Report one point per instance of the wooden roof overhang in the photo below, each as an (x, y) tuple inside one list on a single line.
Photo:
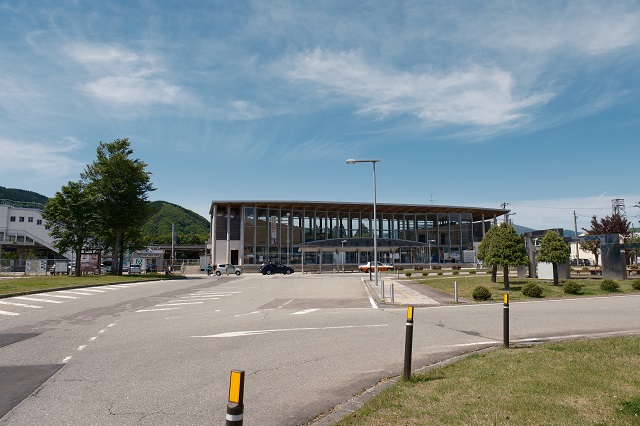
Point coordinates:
[(381, 208)]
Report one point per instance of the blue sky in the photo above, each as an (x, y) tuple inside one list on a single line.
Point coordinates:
[(535, 104)]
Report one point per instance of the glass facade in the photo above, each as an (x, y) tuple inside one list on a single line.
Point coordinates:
[(257, 232)]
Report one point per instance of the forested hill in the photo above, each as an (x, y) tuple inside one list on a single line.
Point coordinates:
[(22, 195), (191, 228)]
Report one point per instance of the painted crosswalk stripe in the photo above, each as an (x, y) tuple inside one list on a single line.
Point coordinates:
[(8, 313), (75, 292), (33, 299), (62, 296), (94, 290), (181, 303), (24, 305)]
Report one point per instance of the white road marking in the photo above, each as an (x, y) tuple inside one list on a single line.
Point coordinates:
[(181, 303), (24, 305), (81, 347), (250, 313), (193, 300), (256, 332), (75, 292), (285, 303), (64, 361), (111, 325), (91, 339), (8, 313), (202, 297), (95, 290), (62, 296), (33, 299), (153, 310), (306, 311), (101, 331)]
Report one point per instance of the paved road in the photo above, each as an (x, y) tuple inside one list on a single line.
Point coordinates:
[(160, 353)]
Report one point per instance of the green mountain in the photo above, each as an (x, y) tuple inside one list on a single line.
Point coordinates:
[(190, 227), (21, 195)]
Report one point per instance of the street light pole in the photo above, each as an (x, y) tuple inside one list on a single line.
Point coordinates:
[(375, 219), (288, 226)]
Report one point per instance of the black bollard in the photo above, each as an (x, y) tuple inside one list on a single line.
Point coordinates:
[(505, 320), (408, 344)]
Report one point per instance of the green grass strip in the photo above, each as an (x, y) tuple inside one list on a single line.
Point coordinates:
[(591, 382)]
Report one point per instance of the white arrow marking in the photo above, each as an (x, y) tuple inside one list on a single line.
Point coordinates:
[(256, 332), (306, 311)]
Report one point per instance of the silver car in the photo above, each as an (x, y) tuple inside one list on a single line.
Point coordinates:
[(227, 268)]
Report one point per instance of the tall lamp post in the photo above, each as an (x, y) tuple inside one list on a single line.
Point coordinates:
[(375, 220), (288, 226)]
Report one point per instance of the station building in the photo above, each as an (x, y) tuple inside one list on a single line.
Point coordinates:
[(314, 232)]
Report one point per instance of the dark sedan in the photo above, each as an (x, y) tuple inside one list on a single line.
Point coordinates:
[(276, 268)]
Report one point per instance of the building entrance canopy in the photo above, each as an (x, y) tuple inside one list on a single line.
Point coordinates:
[(357, 244)]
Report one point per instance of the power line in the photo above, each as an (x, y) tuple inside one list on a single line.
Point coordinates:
[(560, 208)]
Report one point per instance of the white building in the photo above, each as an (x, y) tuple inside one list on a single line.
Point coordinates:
[(22, 227)]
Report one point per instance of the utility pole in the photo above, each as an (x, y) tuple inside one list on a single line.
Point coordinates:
[(575, 229), (506, 216)]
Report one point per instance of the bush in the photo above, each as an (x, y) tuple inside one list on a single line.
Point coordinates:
[(636, 284), (440, 272), (472, 272), (572, 287), (488, 271), (424, 274), (407, 274), (609, 285), (532, 290), (633, 267), (481, 293), (456, 272)]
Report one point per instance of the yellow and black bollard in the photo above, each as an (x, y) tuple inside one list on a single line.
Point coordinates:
[(235, 405), (505, 321), (408, 344)]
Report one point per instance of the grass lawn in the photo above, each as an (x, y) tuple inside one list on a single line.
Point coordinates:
[(47, 282), (466, 284), (589, 382)]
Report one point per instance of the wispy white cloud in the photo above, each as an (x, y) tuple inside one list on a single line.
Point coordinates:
[(122, 76), (475, 95), (46, 160)]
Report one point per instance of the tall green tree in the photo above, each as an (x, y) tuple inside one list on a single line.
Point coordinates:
[(507, 248), (71, 218), (120, 185), (483, 250), (614, 224), (554, 250)]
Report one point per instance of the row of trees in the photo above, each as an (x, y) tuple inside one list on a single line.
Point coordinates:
[(502, 246), (105, 209)]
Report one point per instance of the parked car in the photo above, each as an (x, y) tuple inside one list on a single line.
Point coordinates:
[(382, 267), (582, 262), (227, 268), (275, 268)]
